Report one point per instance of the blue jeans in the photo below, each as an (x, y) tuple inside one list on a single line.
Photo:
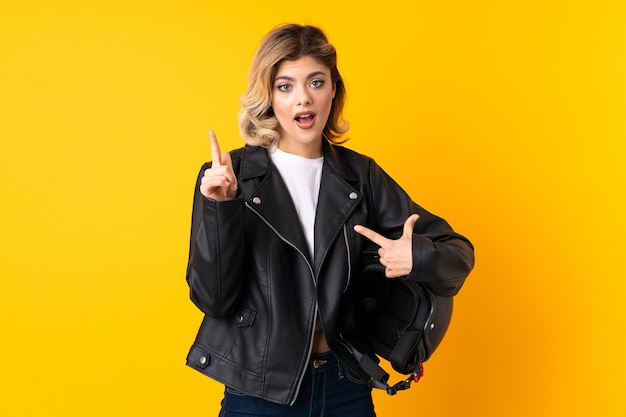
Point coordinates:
[(328, 389)]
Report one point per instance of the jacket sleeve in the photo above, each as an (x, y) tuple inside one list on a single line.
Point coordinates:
[(215, 270), (442, 258)]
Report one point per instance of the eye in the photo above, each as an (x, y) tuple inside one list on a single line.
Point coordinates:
[(283, 87), (317, 83)]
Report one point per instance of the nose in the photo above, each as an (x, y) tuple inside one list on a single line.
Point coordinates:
[(304, 98)]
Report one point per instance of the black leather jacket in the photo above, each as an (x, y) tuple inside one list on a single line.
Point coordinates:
[(251, 273)]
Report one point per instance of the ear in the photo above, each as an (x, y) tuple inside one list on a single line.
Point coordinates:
[(334, 89)]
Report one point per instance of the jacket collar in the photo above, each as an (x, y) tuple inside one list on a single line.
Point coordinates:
[(255, 162)]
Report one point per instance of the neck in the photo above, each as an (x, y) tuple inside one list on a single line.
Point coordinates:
[(310, 151)]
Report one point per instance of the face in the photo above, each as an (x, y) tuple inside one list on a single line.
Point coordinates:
[(302, 96)]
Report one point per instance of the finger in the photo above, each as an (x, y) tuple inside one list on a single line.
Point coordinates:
[(215, 181), (215, 149), (227, 161), (380, 240), (230, 174), (381, 257), (409, 224)]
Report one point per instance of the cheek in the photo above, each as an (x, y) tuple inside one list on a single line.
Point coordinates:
[(279, 105), (282, 115), (275, 107), (329, 103), (279, 112)]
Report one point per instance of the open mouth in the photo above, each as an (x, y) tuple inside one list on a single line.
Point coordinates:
[(305, 120)]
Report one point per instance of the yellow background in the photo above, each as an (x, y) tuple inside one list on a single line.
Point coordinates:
[(506, 118)]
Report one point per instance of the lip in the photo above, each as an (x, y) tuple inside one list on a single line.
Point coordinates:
[(305, 119)]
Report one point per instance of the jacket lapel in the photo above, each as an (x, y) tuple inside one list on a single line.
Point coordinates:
[(337, 199), (270, 198)]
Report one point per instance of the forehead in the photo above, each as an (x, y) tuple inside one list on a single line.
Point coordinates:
[(302, 66)]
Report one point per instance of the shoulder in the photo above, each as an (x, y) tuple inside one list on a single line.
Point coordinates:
[(355, 161), (349, 154), (244, 151), (238, 155), (250, 161), (247, 151)]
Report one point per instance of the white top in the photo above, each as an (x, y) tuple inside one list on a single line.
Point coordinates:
[(302, 176)]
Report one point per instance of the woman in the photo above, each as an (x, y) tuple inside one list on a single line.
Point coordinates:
[(277, 230)]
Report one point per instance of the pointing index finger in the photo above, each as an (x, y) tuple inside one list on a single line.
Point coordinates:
[(216, 155), (380, 240)]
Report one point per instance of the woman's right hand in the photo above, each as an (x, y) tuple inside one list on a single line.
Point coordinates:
[(219, 182)]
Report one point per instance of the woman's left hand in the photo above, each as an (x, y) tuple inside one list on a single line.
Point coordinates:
[(395, 255)]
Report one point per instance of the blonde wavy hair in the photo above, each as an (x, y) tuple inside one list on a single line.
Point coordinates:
[(257, 123)]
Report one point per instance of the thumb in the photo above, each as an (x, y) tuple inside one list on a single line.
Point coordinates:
[(409, 224)]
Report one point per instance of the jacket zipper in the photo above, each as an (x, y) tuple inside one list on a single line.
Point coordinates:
[(284, 239), (347, 242)]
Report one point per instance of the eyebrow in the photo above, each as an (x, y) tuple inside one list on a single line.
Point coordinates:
[(311, 75)]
